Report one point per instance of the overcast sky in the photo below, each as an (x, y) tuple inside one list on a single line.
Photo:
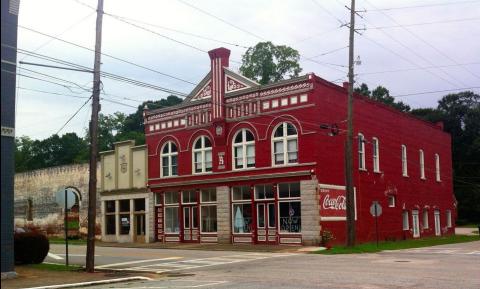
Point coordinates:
[(433, 45)]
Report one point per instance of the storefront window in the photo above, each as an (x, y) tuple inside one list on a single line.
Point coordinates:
[(124, 224), (289, 190), (125, 206), (208, 195), (171, 198), (242, 218), (110, 228), (171, 220), (241, 193), (264, 192), (290, 217), (139, 205), (209, 219), (189, 197)]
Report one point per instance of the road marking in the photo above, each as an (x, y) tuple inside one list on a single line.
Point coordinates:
[(53, 256), (136, 262), (91, 283)]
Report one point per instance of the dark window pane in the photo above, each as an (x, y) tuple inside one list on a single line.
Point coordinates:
[(209, 219), (238, 137), (124, 205), (124, 224), (139, 204), (279, 131), (110, 206), (173, 148), (207, 142), (291, 129), (110, 224), (271, 216), (294, 190), (290, 217), (198, 143), (249, 135), (165, 149), (283, 190)]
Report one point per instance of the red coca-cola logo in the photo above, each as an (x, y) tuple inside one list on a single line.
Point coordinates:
[(338, 203)]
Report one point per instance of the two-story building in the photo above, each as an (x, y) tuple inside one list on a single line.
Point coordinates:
[(239, 162)]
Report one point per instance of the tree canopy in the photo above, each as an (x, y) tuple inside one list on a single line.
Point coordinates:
[(267, 63)]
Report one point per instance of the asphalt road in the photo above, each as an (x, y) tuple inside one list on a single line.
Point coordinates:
[(447, 266)]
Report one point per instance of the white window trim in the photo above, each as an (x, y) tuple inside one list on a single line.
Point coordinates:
[(425, 219), (285, 140), (405, 226), (416, 225), (266, 199), (287, 200), (201, 226), (361, 153), (422, 164), (376, 157), (203, 151), (244, 144), (232, 218), (437, 168), (169, 154), (404, 161)]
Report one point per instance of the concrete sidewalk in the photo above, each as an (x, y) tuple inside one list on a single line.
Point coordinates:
[(466, 231)]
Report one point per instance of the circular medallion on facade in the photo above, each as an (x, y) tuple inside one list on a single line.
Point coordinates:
[(219, 130)]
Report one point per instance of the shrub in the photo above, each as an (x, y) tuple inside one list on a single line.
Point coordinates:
[(327, 236), (30, 247)]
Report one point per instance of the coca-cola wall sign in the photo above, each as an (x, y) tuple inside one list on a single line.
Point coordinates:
[(333, 203)]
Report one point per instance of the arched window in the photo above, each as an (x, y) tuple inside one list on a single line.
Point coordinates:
[(243, 149), (361, 152), (376, 155), (422, 164), (169, 157), (202, 155), (437, 168), (285, 144)]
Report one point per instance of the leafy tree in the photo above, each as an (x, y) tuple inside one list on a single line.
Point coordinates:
[(267, 63), (382, 94)]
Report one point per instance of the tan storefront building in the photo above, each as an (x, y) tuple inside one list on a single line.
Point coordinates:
[(126, 203)]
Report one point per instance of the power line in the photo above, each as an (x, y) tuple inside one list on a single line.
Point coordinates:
[(36, 78), (420, 68), (426, 23), (435, 91), (76, 112), (424, 5), (426, 43), (103, 53), (329, 52)]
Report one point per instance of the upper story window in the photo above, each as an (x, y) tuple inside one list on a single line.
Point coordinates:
[(243, 149), (437, 167), (285, 144), (422, 164), (202, 155), (376, 155), (404, 161), (361, 152), (169, 157)]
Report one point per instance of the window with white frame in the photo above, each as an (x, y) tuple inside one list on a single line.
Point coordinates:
[(243, 150), (289, 208), (208, 210), (437, 167), (422, 164), (285, 144), (404, 161), (169, 157), (242, 213), (425, 219), (264, 192), (449, 218), (171, 223), (361, 152), (376, 155), (202, 155), (405, 220), (391, 201)]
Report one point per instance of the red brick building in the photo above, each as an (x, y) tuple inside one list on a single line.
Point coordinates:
[(247, 163)]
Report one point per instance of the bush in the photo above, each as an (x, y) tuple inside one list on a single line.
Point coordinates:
[(30, 247)]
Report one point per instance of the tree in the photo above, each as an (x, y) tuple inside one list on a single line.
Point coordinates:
[(382, 94), (267, 63)]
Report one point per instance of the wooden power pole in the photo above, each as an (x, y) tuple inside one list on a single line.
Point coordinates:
[(349, 142), (92, 185)]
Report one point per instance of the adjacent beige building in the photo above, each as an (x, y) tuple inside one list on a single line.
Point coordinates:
[(126, 203)]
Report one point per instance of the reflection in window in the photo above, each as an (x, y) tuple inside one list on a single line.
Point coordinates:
[(241, 193), (209, 219), (289, 190), (264, 192), (242, 218)]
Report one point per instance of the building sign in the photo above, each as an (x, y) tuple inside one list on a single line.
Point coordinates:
[(123, 164), (333, 203), (221, 160)]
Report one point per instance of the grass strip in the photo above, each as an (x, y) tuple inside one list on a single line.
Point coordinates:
[(397, 245)]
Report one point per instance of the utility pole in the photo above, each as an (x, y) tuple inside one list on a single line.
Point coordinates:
[(349, 141), (92, 185)]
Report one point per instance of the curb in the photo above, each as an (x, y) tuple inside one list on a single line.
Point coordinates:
[(91, 283)]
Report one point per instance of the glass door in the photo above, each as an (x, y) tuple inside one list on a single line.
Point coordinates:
[(266, 223), (190, 223)]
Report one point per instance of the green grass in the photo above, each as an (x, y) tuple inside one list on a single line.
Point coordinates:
[(58, 240), (397, 245), (55, 267)]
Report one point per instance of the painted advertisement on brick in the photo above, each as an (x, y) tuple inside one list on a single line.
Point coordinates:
[(333, 203)]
